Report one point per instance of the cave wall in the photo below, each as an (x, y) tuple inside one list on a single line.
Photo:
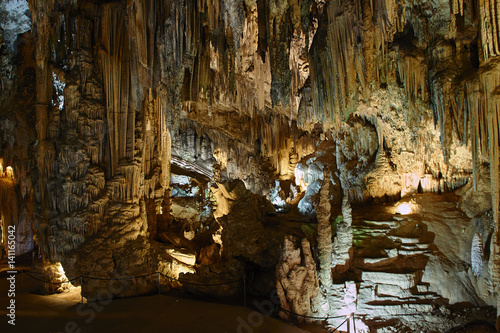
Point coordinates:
[(103, 103)]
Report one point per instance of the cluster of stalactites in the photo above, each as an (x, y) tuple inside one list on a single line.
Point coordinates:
[(267, 147), (486, 123), (355, 56), (475, 116), (282, 143), (489, 12), (108, 142)]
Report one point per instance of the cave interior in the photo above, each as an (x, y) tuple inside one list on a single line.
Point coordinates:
[(340, 157)]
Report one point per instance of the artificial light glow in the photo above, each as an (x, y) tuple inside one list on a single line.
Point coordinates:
[(185, 270), (303, 186), (275, 198), (60, 275), (404, 209), (9, 172)]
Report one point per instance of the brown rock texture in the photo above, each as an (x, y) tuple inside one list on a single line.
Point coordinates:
[(211, 140)]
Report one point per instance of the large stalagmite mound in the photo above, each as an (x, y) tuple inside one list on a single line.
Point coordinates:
[(216, 141)]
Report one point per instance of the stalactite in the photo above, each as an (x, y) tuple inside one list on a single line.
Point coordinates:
[(116, 81), (472, 107), (482, 106), (494, 23), (494, 143), (458, 7), (355, 58), (440, 116), (412, 72), (299, 66), (489, 20), (41, 27)]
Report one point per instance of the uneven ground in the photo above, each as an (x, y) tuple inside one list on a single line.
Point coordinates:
[(64, 313), (432, 242)]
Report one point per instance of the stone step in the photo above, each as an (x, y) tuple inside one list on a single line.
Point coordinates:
[(404, 240), (384, 294), (381, 309), (403, 280), (423, 291), (391, 298), (418, 246), (409, 247), (429, 296), (391, 253), (389, 290), (413, 252), (390, 224), (410, 298), (423, 288), (372, 261), (415, 247), (371, 228), (369, 232)]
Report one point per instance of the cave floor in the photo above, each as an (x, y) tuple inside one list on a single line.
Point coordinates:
[(159, 313)]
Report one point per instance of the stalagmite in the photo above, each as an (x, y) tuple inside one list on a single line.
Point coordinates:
[(325, 245), (343, 238), (477, 254), (297, 284)]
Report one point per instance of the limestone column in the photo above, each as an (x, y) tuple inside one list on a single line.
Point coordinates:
[(45, 152), (343, 239), (40, 11), (325, 246)]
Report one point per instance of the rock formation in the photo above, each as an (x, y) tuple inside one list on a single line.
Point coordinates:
[(213, 140)]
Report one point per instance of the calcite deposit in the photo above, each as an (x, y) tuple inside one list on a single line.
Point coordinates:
[(231, 146)]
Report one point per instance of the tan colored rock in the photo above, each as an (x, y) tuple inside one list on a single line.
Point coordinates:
[(297, 285), (254, 91), (325, 245), (343, 239), (476, 201)]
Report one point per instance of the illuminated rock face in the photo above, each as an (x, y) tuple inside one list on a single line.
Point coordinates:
[(144, 132)]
